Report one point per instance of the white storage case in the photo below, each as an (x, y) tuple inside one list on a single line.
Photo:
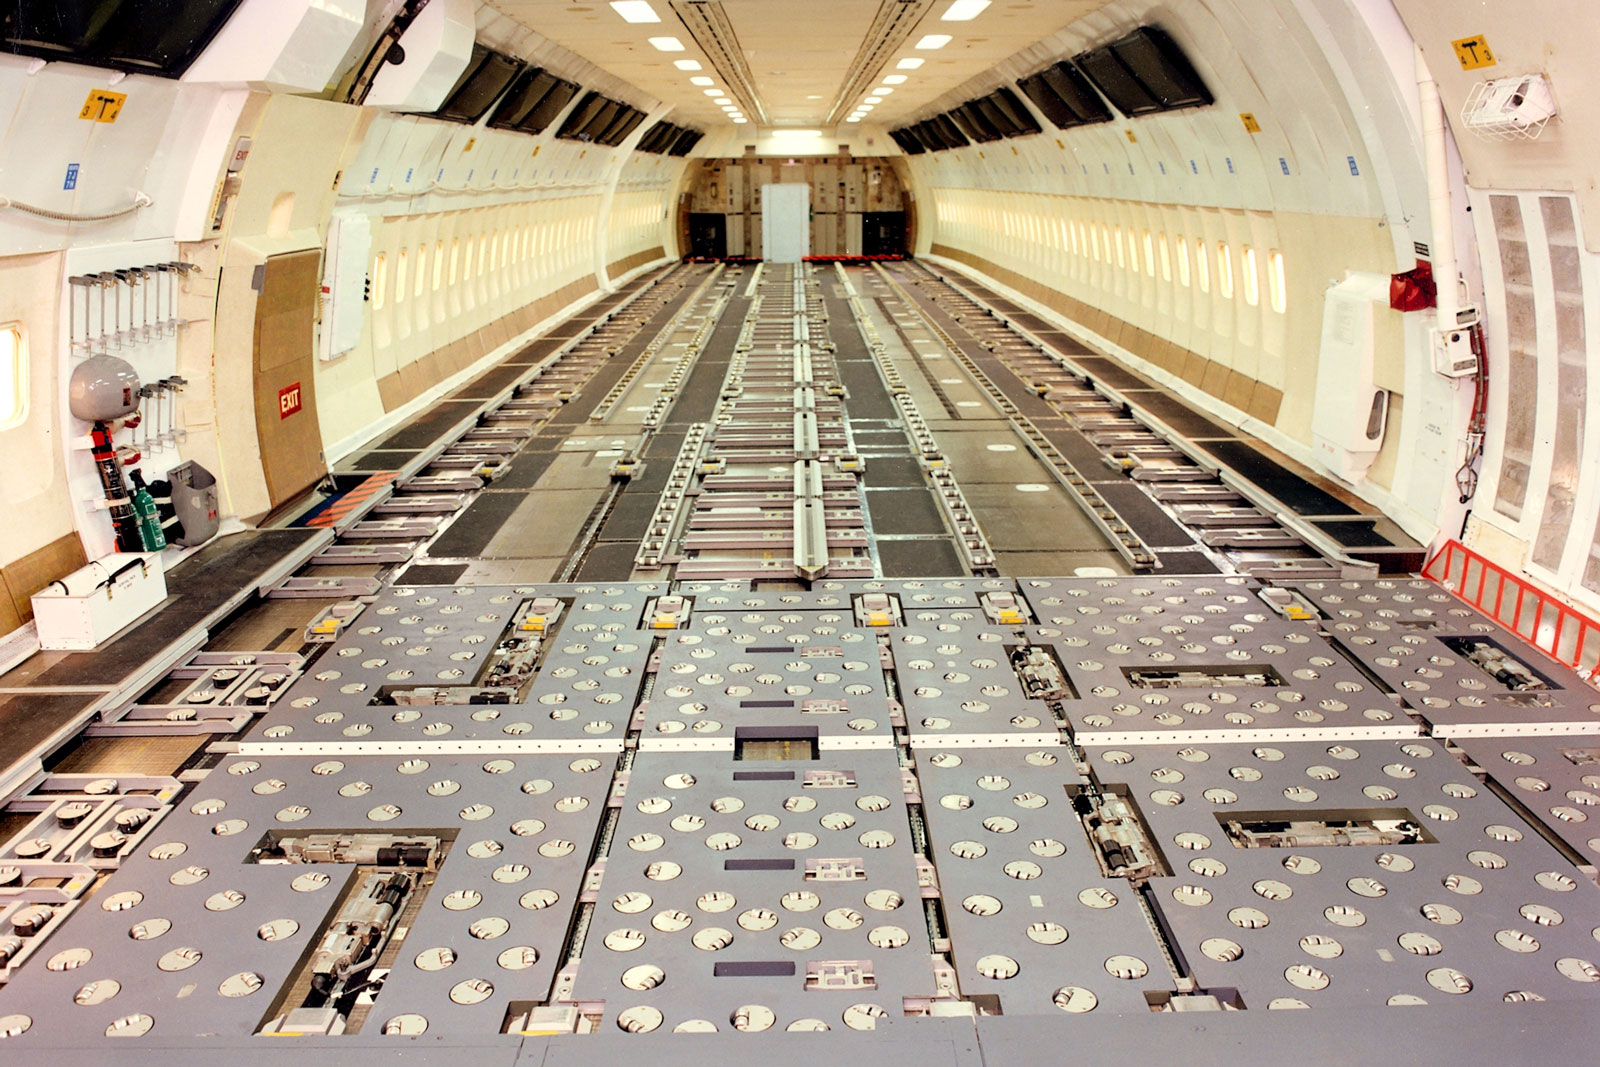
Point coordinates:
[(92, 603)]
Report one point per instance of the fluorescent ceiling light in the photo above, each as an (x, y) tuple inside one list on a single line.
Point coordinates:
[(640, 11), (960, 11), (796, 133), (721, 101), (853, 118), (910, 63), (740, 122), (702, 80), (927, 44), (672, 44), (874, 100), (713, 92), (894, 79), (864, 107), (882, 91), (686, 64)]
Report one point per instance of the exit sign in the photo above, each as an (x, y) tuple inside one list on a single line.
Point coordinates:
[(288, 400)]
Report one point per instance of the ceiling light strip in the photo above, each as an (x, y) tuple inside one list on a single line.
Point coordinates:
[(890, 28), (708, 23)]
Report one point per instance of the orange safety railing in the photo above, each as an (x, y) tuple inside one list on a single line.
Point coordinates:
[(1555, 628)]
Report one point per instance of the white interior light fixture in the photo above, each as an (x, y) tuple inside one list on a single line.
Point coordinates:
[(787, 132), (740, 121), (713, 92), (873, 100), (639, 11), (910, 63), (686, 64), (927, 44), (960, 11), (853, 118), (864, 107), (894, 79), (672, 44), (702, 80), (721, 101), (882, 90)]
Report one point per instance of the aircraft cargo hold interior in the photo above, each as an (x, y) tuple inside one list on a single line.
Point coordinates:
[(925, 530)]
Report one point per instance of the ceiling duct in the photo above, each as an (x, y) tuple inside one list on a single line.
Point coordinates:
[(890, 27), (708, 23)]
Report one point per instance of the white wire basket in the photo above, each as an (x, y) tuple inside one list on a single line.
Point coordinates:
[(1509, 109)]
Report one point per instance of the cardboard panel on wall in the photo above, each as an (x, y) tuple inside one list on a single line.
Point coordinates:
[(285, 392)]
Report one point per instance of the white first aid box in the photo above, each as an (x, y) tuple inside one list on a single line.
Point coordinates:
[(92, 603)]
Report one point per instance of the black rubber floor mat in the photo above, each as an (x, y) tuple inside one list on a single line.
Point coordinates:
[(904, 511), (490, 383), (1180, 416), (609, 561), (433, 573), (1179, 562), (934, 557), (527, 467), (898, 472), (1144, 515), (630, 518), (1113, 374), (1355, 534), (474, 528), (1296, 493), (428, 426)]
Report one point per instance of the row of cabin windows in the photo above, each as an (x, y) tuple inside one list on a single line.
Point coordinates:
[(485, 252), (1114, 245)]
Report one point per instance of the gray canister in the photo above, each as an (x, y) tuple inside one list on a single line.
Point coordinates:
[(194, 501)]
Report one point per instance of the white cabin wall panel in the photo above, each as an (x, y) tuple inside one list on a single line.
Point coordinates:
[(287, 45)]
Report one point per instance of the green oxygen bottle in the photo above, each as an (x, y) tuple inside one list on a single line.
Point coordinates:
[(144, 506)]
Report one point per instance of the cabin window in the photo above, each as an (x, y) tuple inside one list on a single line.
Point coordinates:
[(1251, 280), (1183, 262), (1149, 254), (1166, 257), (13, 377), (400, 278), (438, 266), (1202, 267), (422, 271), (1276, 283), (1116, 240), (1225, 270), (455, 259), (380, 281)]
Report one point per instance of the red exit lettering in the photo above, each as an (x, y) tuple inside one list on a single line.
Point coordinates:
[(288, 400)]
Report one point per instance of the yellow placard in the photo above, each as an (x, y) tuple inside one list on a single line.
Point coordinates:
[(102, 105), (1473, 52), (1250, 122), (1131, 138)]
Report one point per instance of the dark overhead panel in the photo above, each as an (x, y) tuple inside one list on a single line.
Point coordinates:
[(971, 120), (685, 142), (947, 129), (600, 120), (486, 76), (626, 121), (665, 136), (533, 102), (132, 35), (1007, 114), (1068, 85), (908, 142), (1126, 92), (1162, 68), (1144, 72)]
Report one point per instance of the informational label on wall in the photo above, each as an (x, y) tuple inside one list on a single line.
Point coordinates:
[(102, 105), (288, 400), (1473, 52)]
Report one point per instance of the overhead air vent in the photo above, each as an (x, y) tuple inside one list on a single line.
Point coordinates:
[(121, 34), (1066, 97), (480, 85), (972, 121), (533, 102), (907, 141)]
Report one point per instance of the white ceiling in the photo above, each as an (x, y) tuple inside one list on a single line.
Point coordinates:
[(798, 52)]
